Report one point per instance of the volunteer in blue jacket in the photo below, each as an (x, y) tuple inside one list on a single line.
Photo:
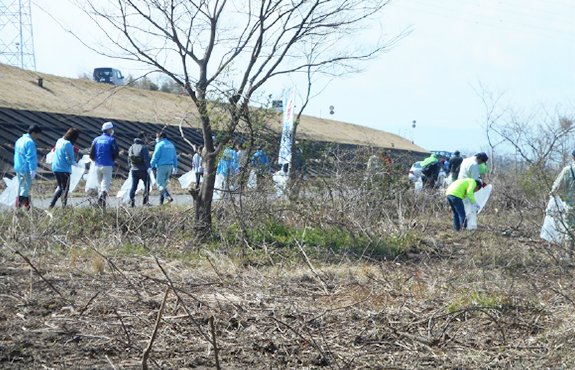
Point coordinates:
[(26, 164), (165, 160), (262, 166), (62, 165), (104, 152)]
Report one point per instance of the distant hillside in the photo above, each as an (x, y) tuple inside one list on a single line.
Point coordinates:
[(19, 90)]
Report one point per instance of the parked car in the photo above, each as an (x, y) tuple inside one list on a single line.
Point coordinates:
[(109, 76)]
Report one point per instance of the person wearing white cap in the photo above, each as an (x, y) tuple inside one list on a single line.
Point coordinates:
[(104, 152)]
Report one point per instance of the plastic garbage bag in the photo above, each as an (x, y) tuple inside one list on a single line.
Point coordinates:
[(280, 179), (50, 157), (418, 186), (554, 225), (252, 180), (218, 186), (440, 180), (124, 192), (187, 179), (8, 196), (481, 197), (78, 172), (152, 179), (92, 179)]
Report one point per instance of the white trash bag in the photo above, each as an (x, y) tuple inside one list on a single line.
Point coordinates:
[(8, 196), (418, 186), (218, 186), (280, 181), (50, 157), (78, 172), (152, 178), (481, 197), (187, 179), (91, 179), (124, 192), (553, 229), (252, 180)]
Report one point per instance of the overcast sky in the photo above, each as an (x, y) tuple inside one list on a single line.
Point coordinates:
[(522, 48)]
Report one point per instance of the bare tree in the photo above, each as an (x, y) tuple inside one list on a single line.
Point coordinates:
[(222, 52), (538, 137)]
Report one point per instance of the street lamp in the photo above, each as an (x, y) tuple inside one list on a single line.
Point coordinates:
[(413, 130)]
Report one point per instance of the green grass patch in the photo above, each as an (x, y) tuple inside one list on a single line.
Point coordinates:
[(318, 240), (476, 299)]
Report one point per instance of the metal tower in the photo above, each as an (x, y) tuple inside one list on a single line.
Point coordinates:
[(16, 39)]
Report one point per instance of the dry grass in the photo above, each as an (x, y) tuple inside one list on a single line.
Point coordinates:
[(19, 90), (384, 284)]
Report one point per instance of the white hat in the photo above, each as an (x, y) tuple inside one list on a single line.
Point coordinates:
[(107, 126)]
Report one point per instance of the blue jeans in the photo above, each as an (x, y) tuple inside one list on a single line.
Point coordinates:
[(459, 219), (138, 175)]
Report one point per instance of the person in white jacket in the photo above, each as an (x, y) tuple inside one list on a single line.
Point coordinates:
[(470, 166)]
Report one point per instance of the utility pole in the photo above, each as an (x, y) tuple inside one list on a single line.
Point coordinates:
[(16, 36)]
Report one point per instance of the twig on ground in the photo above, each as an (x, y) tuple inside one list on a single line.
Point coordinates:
[(214, 343), (155, 332), (87, 304)]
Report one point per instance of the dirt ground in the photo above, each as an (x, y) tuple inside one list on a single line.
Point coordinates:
[(449, 306)]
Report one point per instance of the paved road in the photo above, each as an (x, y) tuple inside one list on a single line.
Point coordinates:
[(179, 199)]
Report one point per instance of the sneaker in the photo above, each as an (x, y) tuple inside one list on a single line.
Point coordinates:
[(170, 200)]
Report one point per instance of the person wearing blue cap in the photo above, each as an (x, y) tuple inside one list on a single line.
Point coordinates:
[(104, 152), (564, 186)]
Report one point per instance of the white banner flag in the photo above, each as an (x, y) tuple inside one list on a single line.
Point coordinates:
[(284, 155)]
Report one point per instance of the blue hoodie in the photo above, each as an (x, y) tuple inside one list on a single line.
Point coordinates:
[(164, 153), (63, 156), (25, 155)]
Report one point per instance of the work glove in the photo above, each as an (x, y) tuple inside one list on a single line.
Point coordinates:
[(33, 174), (476, 207), (174, 171)]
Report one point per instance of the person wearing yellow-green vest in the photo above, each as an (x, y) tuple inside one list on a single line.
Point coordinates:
[(455, 193), (430, 169)]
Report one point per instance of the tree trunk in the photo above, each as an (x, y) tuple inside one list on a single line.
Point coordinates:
[(203, 200)]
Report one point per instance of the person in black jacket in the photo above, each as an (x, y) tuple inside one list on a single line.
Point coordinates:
[(454, 165), (139, 158)]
